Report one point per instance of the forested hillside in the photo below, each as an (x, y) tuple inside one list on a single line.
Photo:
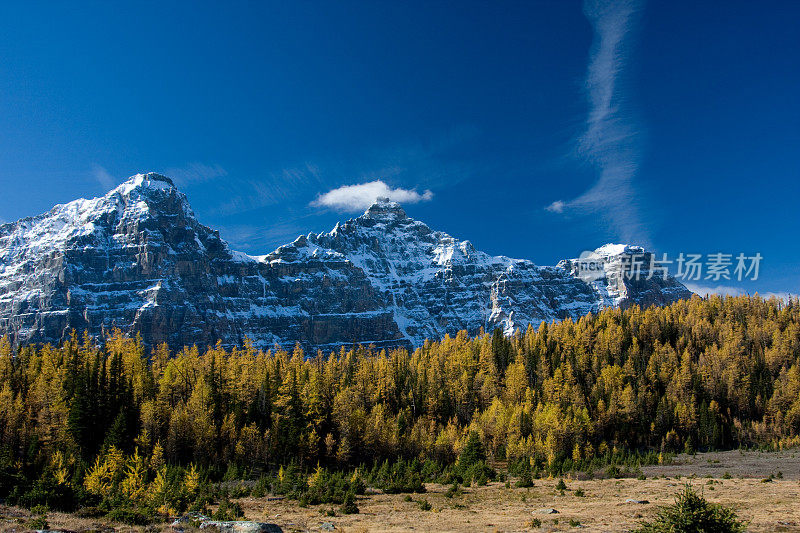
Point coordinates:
[(697, 374)]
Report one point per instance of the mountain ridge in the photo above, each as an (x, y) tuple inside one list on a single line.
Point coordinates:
[(137, 258)]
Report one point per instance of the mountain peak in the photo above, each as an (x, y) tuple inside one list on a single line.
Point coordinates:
[(149, 181), (385, 209), (138, 258), (612, 249)]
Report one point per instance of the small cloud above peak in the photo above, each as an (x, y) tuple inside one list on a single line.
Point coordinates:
[(360, 197)]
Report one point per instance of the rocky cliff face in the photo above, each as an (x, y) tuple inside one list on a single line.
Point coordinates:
[(138, 259)]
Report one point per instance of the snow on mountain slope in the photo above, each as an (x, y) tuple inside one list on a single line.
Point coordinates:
[(435, 284), (622, 274), (138, 259)]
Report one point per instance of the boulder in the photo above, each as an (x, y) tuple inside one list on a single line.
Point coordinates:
[(241, 526)]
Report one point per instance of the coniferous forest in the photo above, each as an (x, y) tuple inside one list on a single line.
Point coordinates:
[(121, 429)]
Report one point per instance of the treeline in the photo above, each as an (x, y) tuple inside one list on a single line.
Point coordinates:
[(698, 374)]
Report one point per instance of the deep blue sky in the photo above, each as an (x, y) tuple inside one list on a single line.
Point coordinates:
[(258, 108)]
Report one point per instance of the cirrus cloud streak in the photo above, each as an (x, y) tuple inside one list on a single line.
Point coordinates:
[(609, 142)]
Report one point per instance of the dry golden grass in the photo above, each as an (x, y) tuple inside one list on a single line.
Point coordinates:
[(771, 506)]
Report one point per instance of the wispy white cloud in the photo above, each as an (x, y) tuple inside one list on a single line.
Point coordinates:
[(609, 141), (103, 177), (273, 188), (359, 197), (195, 173), (556, 207)]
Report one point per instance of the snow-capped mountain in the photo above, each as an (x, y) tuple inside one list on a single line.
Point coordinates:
[(138, 259)]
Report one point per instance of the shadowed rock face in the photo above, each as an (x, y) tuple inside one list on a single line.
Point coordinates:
[(138, 259)]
